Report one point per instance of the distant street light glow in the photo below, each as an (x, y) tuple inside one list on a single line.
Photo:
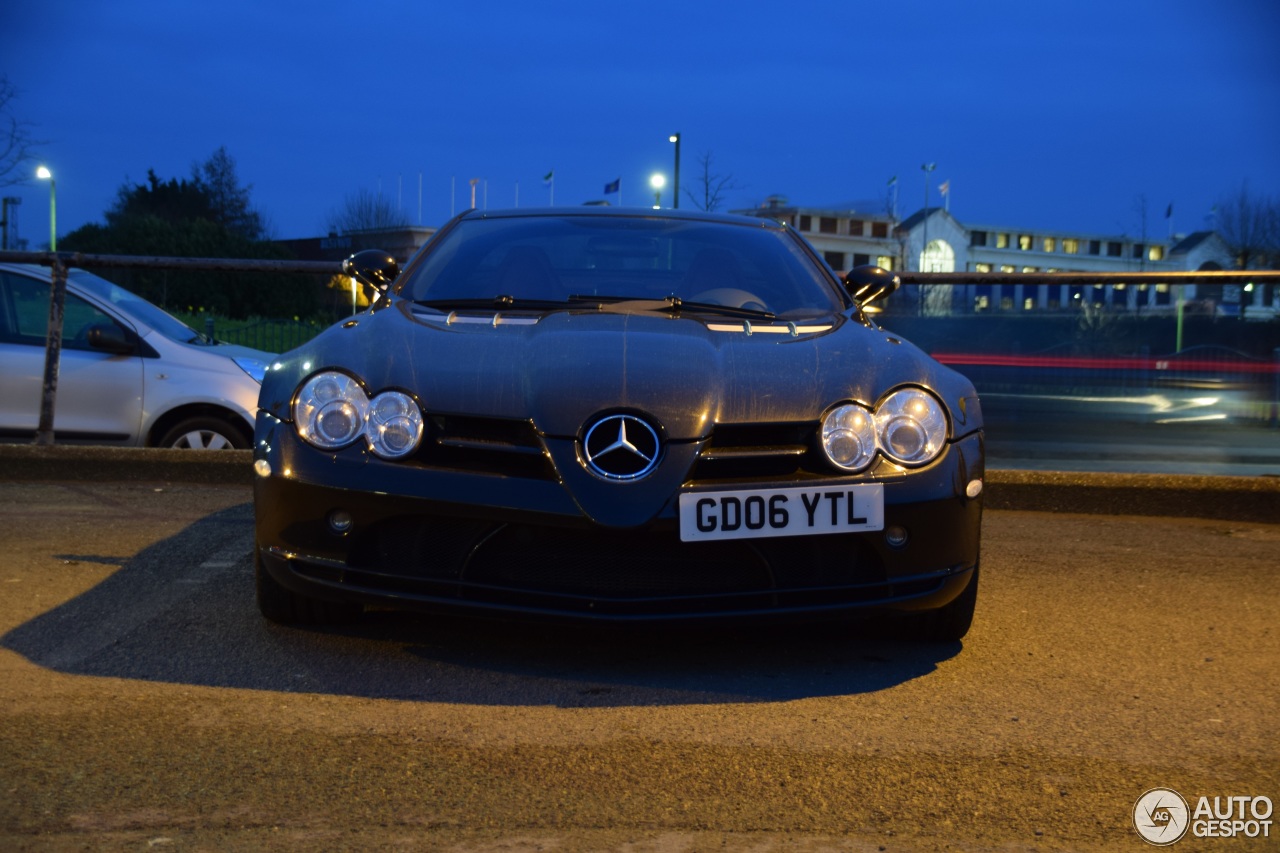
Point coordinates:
[(44, 174), (658, 181)]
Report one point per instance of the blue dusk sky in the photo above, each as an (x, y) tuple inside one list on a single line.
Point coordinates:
[(1039, 114)]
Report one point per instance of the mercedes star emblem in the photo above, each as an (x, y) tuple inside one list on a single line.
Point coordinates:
[(621, 447)]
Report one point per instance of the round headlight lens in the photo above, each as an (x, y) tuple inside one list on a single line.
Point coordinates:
[(395, 425), (329, 410), (849, 437), (911, 426)]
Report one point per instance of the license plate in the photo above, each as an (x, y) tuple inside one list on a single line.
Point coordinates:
[(797, 511)]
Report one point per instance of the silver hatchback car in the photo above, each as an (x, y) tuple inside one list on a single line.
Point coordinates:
[(130, 375)]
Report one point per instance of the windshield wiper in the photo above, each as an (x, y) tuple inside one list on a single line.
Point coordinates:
[(497, 303), (673, 305)]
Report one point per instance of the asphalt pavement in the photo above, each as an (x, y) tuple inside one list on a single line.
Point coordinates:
[(144, 704)]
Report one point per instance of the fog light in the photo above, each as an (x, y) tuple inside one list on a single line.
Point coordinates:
[(974, 488), (262, 468), (896, 536), (340, 522)]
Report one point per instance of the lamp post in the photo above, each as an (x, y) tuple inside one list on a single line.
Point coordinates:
[(658, 181), (44, 174), (675, 183), (924, 251)]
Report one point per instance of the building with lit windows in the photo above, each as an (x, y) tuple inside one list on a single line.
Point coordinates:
[(933, 240)]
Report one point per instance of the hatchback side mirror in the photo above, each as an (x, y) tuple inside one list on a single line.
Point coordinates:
[(372, 267), (109, 337), (866, 284)]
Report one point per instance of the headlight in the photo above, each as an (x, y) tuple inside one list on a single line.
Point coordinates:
[(252, 366), (330, 410), (394, 424), (909, 427), (849, 437)]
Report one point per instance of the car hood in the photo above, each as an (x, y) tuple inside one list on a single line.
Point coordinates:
[(559, 368)]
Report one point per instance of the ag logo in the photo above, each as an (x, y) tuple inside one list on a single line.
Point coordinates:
[(1161, 816)]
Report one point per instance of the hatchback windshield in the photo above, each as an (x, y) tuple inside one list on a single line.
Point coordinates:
[(548, 260), (135, 306)]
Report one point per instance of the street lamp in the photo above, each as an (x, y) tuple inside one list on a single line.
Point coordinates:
[(658, 181), (44, 174), (675, 184)]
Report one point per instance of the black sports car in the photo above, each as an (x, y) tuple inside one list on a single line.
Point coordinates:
[(617, 415)]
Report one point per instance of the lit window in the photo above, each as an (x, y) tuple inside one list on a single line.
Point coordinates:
[(1028, 304), (982, 267), (1070, 246), (885, 262), (1024, 242), (1155, 253), (1162, 288), (1002, 241), (1007, 268), (1031, 269), (1050, 244), (981, 303)]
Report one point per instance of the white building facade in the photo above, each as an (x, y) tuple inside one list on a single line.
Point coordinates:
[(933, 240)]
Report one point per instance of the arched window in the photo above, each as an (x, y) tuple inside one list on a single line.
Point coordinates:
[(938, 256)]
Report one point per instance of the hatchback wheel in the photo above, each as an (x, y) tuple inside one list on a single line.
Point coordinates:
[(205, 434)]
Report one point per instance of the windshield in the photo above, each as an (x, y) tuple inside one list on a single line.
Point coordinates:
[(139, 308), (549, 260)]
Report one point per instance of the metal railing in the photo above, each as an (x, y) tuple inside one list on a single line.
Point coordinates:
[(60, 262)]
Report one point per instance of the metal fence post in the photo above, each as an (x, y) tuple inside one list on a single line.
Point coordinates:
[(52, 350), (1275, 393)]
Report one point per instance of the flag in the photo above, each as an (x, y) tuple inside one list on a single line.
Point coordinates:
[(893, 180), (944, 187), (613, 187), (549, 177), (1168, 211)]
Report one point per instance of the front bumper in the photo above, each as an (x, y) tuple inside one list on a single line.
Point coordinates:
[(466, 541)]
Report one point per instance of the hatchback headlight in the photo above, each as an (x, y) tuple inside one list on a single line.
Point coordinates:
[(909, 427), (332, 410)]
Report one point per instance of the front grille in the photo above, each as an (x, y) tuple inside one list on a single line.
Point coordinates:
[(611, 572), (760, 452), (484, 445)]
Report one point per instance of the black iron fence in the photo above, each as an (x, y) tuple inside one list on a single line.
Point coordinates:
[(267, 335), (1249, 382)]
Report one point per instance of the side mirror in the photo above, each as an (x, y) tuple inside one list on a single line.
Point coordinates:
[(866, 284), (109, 337), (372, 267)]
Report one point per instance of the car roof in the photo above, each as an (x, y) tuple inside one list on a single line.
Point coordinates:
[(603, 212)]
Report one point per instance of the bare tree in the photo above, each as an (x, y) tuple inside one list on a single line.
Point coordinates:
[(708, 187), (1250, 226), (365, 211), (17, 148)]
